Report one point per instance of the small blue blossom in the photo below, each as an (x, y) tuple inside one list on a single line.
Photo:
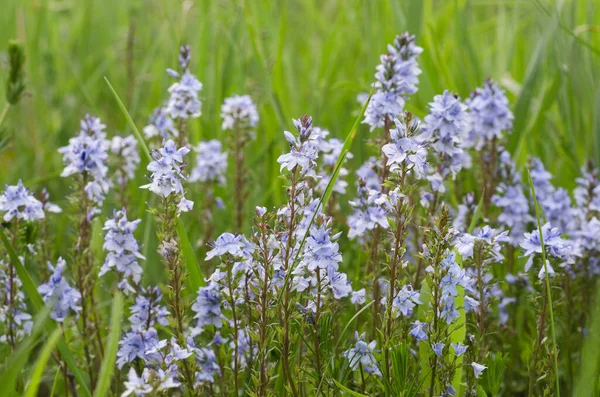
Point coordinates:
[(459, 349), (490, 114), (363, 354), (129, 158), (58, 294), (138, 386), (478, 369), (405, 151), (405, 301), (17, 202), (239, 110), (438, 349), (208, 307), (235, 245), (419, 330), (123, 249), (211, 163)]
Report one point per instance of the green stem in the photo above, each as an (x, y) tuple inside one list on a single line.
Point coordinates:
[(550, 309), (4, 112)]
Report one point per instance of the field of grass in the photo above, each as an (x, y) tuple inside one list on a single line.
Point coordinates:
[(292, 57)]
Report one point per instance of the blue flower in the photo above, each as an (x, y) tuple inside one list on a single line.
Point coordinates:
[(478, 369), (160, 124), (208, 307), (363, 354), (405, 301), (490, 114), (235, 245), (148, 310), (166, 177), (58, 294), (239, 110), (459, 349), (129, 157), (211, 163), (419, 330), (123, 249), (17, 202), (405, 151), (438, 349), (137, 385)]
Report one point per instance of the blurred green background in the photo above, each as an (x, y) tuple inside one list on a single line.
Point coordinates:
[(295, 57)]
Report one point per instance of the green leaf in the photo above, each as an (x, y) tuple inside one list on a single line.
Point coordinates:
[(346, 390), (40, 365), (17, 361), (195, 279), (108, 363), (139, 136), (38, 305)]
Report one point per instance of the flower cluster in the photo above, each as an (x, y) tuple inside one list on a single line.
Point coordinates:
[(87, 154), (123, 251), (396, 78), (489, 113), (58, 294), (240, 111), (13, 310), (17, 202), (211, 163), (125, 148), (167, 175)]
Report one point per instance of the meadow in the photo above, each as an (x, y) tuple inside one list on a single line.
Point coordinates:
[(162, 235)]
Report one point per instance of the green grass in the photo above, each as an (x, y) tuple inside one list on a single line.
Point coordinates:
[(292, 57)]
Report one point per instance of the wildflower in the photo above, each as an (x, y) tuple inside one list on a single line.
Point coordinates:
[(13, 310), (396, 78), (208, 306), (438, 348), (137, 385), (123, 249), (59, 294), (211, 163), (148, 310), (363, 354), (239, 110), (444, 130), (555, 245), (478, 369), (87, 153), (321, 249), (404, 151), (459, 349), (419, 330), (486, 235), (235, 245), (160, 124), (301, 153), (406, 300), (358, 297), (208, 366), (166, 175), (184, 101), (490, 114), (17, 202), (126, 149)]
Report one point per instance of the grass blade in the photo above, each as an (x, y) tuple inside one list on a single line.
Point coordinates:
[(108, 363), (139, 136), (551, 310), (40, 365)]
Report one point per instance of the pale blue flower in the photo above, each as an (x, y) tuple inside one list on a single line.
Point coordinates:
[(239, 110), (17, 202)]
